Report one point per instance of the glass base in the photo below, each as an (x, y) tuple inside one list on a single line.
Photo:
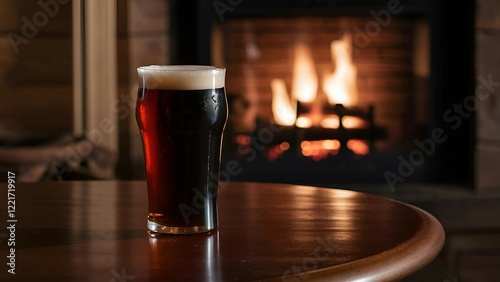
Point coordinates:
[(158, 228)]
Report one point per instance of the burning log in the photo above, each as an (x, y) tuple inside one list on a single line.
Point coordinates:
[(290, 133)]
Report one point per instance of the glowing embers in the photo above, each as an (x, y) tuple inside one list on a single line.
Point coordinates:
[(333, 121), (320, 149), (276, 151)]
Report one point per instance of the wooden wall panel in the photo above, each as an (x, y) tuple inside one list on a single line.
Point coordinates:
[(142, 40), (43, 61), (488, 114), (36, 82), (37, 111), (12, 13)]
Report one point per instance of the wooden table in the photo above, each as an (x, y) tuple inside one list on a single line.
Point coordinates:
[(96, 231)]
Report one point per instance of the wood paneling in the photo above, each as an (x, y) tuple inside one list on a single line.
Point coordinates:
[(147, 16), (488, 113), (43, 61), (36, 81), (58, 16), (37, 111), (142, 40)]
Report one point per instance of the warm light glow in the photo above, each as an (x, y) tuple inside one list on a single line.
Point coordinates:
[(340, 86), (353, 122), (359, 147), (304, 145), (243, 139), (330, 122), (284, 146), (319, 149), (276, 151), (305, 79), (303, 122), (331, 144), (283, 111)]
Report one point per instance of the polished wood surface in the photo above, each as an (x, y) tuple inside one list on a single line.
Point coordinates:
[(96, 231)]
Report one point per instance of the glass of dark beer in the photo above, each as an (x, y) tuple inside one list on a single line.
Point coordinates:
[(181, 112)]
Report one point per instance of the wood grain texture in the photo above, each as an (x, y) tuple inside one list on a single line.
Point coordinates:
[(92, 231), (36, 67)]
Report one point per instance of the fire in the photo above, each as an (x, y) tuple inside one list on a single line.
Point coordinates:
[(330, 122), (353, 122), (340, 86), (304, 87), (283, 112), (319, 149), (303, 122), (359, 147), (277, 151), (305, 80), (348, 122)]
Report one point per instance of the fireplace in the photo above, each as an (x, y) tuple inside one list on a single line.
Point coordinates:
[(326, 92)]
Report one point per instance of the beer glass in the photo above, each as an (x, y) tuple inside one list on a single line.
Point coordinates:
[(181, 112)]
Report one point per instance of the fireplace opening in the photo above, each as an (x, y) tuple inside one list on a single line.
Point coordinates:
[(326, 93), (324, 96)]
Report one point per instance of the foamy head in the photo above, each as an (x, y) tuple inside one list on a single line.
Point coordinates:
[(181, 77)]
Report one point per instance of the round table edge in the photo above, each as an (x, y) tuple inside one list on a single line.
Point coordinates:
[(393, 264)]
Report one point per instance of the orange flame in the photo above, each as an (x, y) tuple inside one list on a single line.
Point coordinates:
[(353, 122), (283, 112), (340, 86), (347, 122), (305, 80), (359, 147), (304, 87)]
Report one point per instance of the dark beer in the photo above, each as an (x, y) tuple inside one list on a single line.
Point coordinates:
[(181, 131)]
